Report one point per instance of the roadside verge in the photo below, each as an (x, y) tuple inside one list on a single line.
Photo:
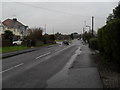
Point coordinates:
[(10, 54)]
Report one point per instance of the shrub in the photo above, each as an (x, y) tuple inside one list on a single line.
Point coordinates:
[(93, 43), (34, 37), (109, 40), (6, 43), (100, 44), (36, 34), (7, 38), (87, 36)]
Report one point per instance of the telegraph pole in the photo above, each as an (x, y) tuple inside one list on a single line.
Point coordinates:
[(92, 25), (85, 23), (83, 30), (45, 28), (85, 26), (53, 31)]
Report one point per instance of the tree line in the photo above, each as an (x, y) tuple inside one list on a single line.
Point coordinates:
[(34, 38)]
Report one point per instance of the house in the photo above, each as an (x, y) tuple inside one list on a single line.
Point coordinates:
[(18, 29), (1, 28)]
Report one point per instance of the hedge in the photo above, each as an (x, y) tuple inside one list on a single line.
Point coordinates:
[(6, 43), (109, 40), (93, 43)]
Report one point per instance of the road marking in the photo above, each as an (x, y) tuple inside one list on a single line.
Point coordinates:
[(64, 49), (43, 55), (12, 68)]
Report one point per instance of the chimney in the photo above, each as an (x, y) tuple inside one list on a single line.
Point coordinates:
[(15, 19)]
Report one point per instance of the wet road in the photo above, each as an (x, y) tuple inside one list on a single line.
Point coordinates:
[(32, 70)]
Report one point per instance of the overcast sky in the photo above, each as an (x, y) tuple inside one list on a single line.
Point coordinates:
[(64, 17)]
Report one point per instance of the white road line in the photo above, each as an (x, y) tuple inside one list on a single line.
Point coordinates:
[(64, 49), (43, 55), (12, 68)]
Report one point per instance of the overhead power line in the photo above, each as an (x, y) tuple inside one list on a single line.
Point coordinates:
[(51, 10)]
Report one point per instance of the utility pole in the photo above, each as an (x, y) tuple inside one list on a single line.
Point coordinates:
[(83, 30), (84, 26), (85, 23), (92, 25), (45, 28), (53, 31)]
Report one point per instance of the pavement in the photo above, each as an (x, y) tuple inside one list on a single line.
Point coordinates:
[(59, 66), (81, 73)]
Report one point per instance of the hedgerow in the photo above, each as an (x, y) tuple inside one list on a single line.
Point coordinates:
[(109, 40), (93, 43)]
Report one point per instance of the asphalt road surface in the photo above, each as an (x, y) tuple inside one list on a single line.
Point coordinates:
[(33, 69)]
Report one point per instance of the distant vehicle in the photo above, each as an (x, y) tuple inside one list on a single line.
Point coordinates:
[(60, 43), (65, 42), (18, 42)]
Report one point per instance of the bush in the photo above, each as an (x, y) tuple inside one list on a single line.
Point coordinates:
[(34, 37), (36, 34), (109, 40), (100, 44), (86, 36), (93, 43), (6, 43), (28, 43), (7, 38)]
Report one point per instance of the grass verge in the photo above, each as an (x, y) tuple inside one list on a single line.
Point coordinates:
[(17, 48), (12, 48), (59, 40)]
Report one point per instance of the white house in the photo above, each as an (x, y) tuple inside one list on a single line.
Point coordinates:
[(2, 28), (18, 29)]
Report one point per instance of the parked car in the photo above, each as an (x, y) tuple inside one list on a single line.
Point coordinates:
[(60, 43), (78, 39), (65, 42), (18, 42)]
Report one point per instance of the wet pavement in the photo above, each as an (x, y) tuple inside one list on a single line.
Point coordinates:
[(82, 73)]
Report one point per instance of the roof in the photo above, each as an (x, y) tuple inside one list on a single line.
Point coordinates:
[(10, 23)]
